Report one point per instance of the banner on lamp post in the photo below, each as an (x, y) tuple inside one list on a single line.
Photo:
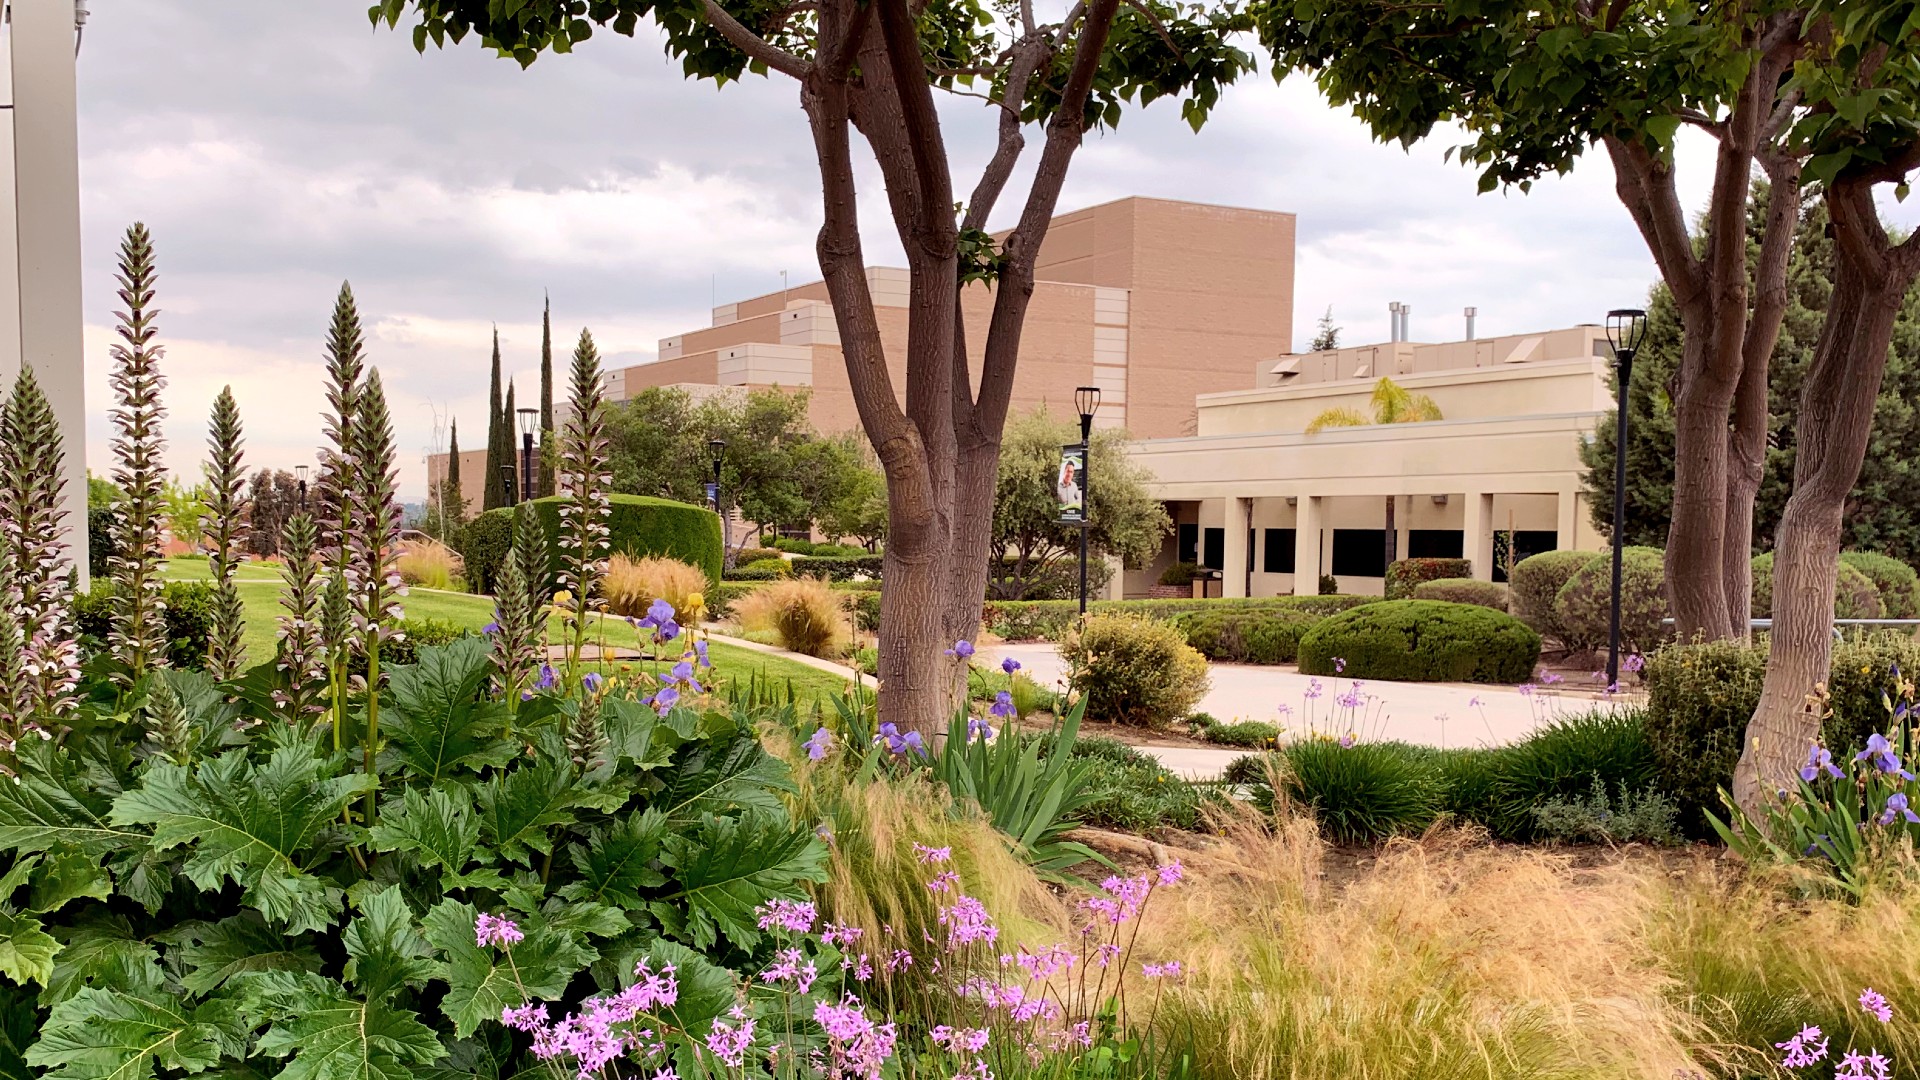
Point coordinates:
[(1070, 484)]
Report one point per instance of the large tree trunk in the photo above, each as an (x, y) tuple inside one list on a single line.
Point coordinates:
[(1835, 419)]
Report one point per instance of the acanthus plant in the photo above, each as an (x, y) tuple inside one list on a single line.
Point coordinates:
[(333, 493), (138, 639), (302, 660), (226, 499), (39, 658), (585, 507), (519, 624), (374, 576)]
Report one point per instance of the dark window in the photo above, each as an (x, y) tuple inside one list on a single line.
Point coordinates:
[(1359, 553), (1434, 543), (1524, 543), (1189, 544), (1279, 552), (1249, 549), (1214, 556)]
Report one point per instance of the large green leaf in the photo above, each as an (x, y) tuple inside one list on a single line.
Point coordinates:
[(216, 952), (727, 867), (481, 981), (618, 861), (57, 802), (17, 1021), (384, 949), (112, 1035), (636, 734), (332, 1036), (437, 828), (26, 949), (437, 725), (105, 955), (718, 777), (518, 808), (255, 825), (65, 875)]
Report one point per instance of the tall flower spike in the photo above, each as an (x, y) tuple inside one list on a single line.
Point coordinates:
[(346, 365), (519, 613), (226, 503), (31, 486), (138, 638), (303, 655), (16, 708), (586, 739), (584, 485), (375, 573), (168, 730)]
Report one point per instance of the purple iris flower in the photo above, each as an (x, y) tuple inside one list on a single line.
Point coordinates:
[(548, 678), (1003, 705), (658, 613), (1897, 807), (700, 650), (683, 673), (1819, 760), (491, 628), (961, 650), (664, 701), (818, 746), (1879, 753), (591, 680), (1009, 665), (668, 631), (897, 743), (978, 728)]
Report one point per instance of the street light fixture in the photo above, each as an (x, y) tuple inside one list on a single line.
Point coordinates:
[(529, 423), (300, 474), (1626, 329), (509, 487), (717, 447), (1087, 400)]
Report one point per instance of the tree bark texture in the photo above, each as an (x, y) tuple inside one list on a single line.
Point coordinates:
[(1870, 281)]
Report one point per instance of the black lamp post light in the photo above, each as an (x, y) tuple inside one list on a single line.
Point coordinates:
[(1626, 329), (300, 474), (529, 423), (1087, 400), (717, 447), (508, 485)]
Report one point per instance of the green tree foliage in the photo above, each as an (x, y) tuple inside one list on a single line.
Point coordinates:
[(1883, 510), (1126, 522), (1391, 404), (499, 436), (860, 509), (1327, 336), (546, 435)]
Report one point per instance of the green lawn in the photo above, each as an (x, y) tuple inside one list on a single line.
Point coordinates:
[(260, 591)]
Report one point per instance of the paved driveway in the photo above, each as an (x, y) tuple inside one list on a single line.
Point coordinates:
[(1428, 714)]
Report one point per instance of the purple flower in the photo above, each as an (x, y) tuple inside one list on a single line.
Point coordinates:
[(548, 678), (1168, 970), (1876, 1005), (1009, 665), (1897, 807), (1313, 688), (491, 930), (1548, 678), (659, 613), (700, 650), (1526, 689), (1003, 705), (491, 628), (1348, 740), (1854, 1066), (932, 854), (897, 743), (529, 1017), (1879, 753), (664, 701), (978, 728), (591, 680), (682, 673), (1474, 702), (1172, 873), (818, 746), (1633, 663), (1819, 760), (967, 921), (795, 915), (961, 650), (1802, 1050), (731, 1044), (1339, 664)]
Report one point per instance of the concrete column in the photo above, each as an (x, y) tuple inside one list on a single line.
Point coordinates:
[(1567, 520), (46, 208), (1233, 554), (1306, 546), (1403, 525), (1477, 533)]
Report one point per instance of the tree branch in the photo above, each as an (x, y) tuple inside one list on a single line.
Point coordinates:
[(756, 47)]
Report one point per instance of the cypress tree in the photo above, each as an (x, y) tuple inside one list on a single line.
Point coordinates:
[(451, 497), (546, 395), (499, 443), (512, 455)]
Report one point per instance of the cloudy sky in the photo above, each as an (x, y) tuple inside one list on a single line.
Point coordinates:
[(277, 148)]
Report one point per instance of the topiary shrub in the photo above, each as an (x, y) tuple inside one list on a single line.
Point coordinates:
[(1403, 575), (1582, 609), (1535, 582), (1854, 594), (1485, 594), (1365, 792), (762, 570), (1897, 582), (1036, 620), (1422, 641), (639, 526), (482, 544), (1134, 671), (1699, 699), (791, 545), (1180, 573), (755, 554), (1246, 637)]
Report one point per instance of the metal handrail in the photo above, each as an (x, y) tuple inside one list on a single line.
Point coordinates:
[(1767, 624)]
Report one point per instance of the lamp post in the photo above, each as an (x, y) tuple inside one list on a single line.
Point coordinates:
[(1625, 329), (508, 485), (529, 422), (1087, 400), (300, 474), (717, 447)]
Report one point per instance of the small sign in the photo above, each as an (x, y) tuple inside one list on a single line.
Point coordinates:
[(1070, 484), (713, 495)]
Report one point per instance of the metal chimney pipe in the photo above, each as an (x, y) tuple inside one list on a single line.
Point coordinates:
[(1471, 312), (1406, 316), (1393, 321)]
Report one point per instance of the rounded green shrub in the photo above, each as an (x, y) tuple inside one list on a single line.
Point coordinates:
[(639, 526), (1485, 594), (754, 554), (1699, 699), (1134, 671), (1422, 641), (1405, 575), (482, 544), (1365, 792), (1897, 582), (1537, 580), (1246, 637), (186, 609), (1249, 733), (1581, 610), (1854, 594), (761, 570)]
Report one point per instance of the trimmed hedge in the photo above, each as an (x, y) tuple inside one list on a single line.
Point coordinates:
[(1403, 575), (837, 567), (1246, 637), (1035, 620), (1899, 585), (1134, 670), (1582, 611), (754, 554), (187, 610), (1854, 594), (1537, 580), (1422, 641), (640, 525), (761, 570), (482, 544), (1463, 591), (1700, 698)]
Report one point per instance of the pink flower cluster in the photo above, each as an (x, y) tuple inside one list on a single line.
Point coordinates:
[(730, 1042), (856, 1046), (493, 930), (796, 916), (789, 967), (602, 1030), (967, 921)]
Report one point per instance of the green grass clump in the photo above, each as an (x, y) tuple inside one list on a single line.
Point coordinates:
[(1365, 792), (1562, 761), (1131, 790), (1254, 734)]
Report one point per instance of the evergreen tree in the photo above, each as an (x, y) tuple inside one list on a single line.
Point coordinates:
[(512, 455), (1883, 511), (546, 397), (499, 439), (1328, 336)]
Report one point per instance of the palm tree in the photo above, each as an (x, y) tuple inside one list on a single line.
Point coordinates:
[(1392, 404)]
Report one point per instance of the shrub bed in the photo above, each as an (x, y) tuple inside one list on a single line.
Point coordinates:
[(187, 608), (1898, 584), (1854, 594), (1485, 594), (1035, 620), (1582, 610), (1365, 792), (1129, 789), (762, 570), (838, 567), (1246, 636), (639, 525), (1404, 575), (1537, 580), (1422, 641), (754, 554), (1133, 670)]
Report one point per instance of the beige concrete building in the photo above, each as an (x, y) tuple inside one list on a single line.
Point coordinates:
[(1250, 483), (1153, 301)]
